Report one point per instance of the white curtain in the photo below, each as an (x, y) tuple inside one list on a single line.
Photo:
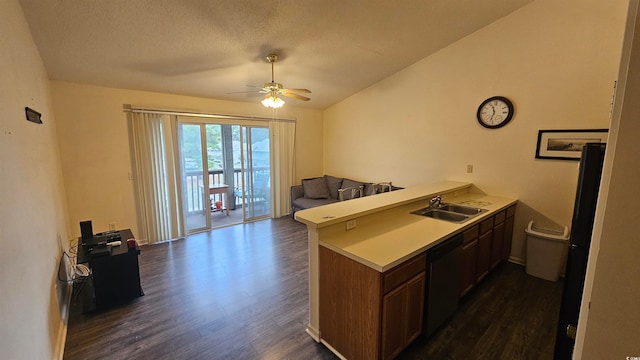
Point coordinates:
[(283, 133), (157, 174)]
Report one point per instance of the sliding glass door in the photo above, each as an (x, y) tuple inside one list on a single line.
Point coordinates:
[(225, 169)]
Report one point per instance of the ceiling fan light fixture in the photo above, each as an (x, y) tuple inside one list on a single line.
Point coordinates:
[(272, 101)]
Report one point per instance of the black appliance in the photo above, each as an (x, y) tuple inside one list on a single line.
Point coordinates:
[(581, 228), (442, 292), (86, 229)]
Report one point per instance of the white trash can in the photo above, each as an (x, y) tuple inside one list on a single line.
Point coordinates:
[(546, 251)]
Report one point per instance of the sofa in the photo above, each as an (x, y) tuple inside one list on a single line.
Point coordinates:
[(329, 189)]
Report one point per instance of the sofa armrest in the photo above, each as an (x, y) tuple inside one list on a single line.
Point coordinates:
[(297, 191)]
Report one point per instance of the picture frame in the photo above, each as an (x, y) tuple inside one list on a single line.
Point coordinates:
[(567, 144), (33, 115)]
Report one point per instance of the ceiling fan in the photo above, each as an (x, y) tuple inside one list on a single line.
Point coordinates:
[(273, 89)]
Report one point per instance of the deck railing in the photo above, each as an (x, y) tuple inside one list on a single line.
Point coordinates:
[(194, 187)]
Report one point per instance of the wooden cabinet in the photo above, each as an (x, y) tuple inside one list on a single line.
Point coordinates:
[(469, 260), (365, 314), (402, 311), (416, 288), (484, 249), (508, 232), (498, 239), (485, 246)]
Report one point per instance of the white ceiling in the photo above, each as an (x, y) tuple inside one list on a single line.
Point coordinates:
[(209, 48)]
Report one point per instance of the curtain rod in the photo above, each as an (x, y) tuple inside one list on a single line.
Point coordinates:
[(131, 109)]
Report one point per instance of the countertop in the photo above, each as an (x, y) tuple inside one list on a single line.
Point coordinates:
[(389, 234), (326, 215)]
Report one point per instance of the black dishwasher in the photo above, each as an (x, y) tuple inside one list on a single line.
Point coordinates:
[(442, 292)]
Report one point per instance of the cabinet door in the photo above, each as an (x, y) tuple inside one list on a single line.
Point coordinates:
[(484, 255), (497, 244), (415, 307), (350, 305), (116, 279), (468, 271), (508, 238), (393, 312)]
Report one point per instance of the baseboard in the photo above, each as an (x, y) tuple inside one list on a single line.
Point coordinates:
[(517, 260), (64, 324), (314, 333), (336, 352)]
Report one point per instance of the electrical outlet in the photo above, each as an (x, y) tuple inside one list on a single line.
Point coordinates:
[(469, 169), (112, 226), (351, 224)]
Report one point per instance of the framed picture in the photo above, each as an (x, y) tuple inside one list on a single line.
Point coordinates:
[(33, 115), (567, 144)]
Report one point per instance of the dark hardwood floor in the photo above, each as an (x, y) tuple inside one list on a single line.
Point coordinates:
[(241, 292)]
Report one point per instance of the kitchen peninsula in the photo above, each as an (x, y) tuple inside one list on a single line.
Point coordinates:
[(379, 247)]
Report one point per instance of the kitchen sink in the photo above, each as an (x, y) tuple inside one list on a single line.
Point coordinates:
[(461, 209), (450, 212), (442, 215)]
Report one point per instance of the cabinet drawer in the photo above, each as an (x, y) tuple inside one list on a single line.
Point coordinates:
[(403, 272), (470, 234), (499, 217), (511, 211), (486, 225)]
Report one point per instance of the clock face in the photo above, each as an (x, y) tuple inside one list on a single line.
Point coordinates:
[(495, 112)]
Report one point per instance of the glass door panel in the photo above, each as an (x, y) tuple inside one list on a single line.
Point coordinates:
[(256, 172), (195, 182)]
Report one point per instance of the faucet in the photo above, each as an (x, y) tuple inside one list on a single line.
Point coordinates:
[(435, 202)]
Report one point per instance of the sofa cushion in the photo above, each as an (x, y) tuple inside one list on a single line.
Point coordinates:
[(304, 203), (369, 189), (350, 184), (334, 184), (351, 192), (315, 188), (383, 187), (346, 183)]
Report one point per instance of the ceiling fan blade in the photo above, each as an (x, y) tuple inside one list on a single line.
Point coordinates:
[(243, 92), (296, 96), (257, 90), (306, 91)]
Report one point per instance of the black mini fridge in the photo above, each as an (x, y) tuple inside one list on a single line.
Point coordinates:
[(581, 228)]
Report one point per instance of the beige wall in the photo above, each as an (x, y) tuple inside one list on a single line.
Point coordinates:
[(33, 226), (419, 125), (95, 148)]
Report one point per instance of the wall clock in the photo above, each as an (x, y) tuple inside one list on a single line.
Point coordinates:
[(495, 112)]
